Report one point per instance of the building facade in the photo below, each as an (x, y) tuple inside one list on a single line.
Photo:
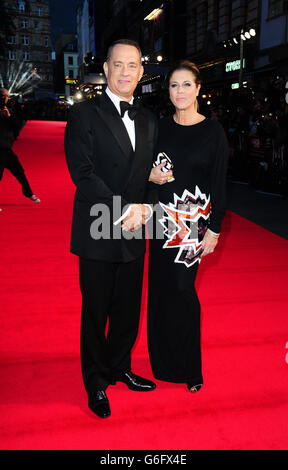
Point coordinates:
[(232, 41), (273, 42), (92, 20), (66, 66), (26, 66), (219, 42), (70, 60), (84, 32)]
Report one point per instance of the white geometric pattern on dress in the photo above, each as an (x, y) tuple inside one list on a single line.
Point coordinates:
[(193, 209)]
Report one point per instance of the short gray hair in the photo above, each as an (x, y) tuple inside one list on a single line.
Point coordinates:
[(126, 42)]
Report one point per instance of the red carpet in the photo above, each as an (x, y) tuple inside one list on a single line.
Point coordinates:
[(244, 296)]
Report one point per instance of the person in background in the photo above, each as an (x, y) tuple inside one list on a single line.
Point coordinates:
[(9, 130)]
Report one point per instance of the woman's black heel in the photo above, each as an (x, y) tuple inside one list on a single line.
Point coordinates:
[(194, 388)]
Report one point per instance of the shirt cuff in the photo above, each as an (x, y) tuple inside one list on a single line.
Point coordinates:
[(148, 217), (123, 216)]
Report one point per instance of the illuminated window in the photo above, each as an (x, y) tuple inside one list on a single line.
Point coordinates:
[(25, 40), (21, 6), (12, 55), (26, 56), (11, 40)]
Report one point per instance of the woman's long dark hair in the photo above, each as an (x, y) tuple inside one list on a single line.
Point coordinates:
[(184, 65)]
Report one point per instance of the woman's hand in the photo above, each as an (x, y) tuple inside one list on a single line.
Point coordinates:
[(159, 177), (209, 243)]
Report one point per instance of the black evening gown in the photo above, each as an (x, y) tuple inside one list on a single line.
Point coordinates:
[(188, 206)]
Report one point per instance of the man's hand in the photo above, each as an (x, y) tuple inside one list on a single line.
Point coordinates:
[(159, 177), (136, 217)]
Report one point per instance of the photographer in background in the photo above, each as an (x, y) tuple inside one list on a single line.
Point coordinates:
[(10, 127)]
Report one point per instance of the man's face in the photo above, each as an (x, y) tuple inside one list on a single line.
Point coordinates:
[(5, 94), (123, 70)]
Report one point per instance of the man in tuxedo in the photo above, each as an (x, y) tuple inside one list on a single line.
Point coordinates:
[(109, 145)]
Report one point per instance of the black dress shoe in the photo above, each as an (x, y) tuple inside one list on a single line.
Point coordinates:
[(134, 382), (99, 404)]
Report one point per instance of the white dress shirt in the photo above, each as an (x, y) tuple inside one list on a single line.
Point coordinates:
[(129, 123), (130, 127)]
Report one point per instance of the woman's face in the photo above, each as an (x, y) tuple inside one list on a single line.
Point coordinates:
[(183, 90)]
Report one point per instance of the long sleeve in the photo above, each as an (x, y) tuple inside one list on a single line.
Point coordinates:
[(79, 150), (218, 181), (151, 195), (9, 130)]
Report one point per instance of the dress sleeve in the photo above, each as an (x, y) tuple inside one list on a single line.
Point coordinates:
[(218, 180), (151, 195)]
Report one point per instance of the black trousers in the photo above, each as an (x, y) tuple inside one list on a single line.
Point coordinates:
[(110, 291), (9, 160)]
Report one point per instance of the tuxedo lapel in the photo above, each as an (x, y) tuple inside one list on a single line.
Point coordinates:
[(141, 132), (109, 114)]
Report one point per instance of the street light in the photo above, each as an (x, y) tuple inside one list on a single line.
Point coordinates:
[(243, 37), (240, 37)]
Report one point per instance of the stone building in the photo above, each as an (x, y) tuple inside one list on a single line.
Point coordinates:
[(26, 65)]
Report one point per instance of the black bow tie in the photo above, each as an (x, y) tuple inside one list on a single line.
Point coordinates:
[(131, 108)]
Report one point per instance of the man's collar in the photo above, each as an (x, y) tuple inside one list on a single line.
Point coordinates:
[(116, 99)]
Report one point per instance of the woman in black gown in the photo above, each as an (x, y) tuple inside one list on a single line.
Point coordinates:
[(189, 224)]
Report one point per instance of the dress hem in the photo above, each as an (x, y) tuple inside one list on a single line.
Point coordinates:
[(195, 380)]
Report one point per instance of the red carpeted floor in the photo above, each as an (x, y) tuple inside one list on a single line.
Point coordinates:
[(244, 296)]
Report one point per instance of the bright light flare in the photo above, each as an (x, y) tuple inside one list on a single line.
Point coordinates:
[(154, 14)]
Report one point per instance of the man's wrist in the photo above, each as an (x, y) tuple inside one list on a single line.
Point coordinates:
[(145, 210), (148, 211), (126, 213)]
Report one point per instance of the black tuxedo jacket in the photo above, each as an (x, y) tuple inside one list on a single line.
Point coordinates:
[(102, 164)]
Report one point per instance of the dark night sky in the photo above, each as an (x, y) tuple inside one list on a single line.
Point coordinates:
[(63, 16)]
